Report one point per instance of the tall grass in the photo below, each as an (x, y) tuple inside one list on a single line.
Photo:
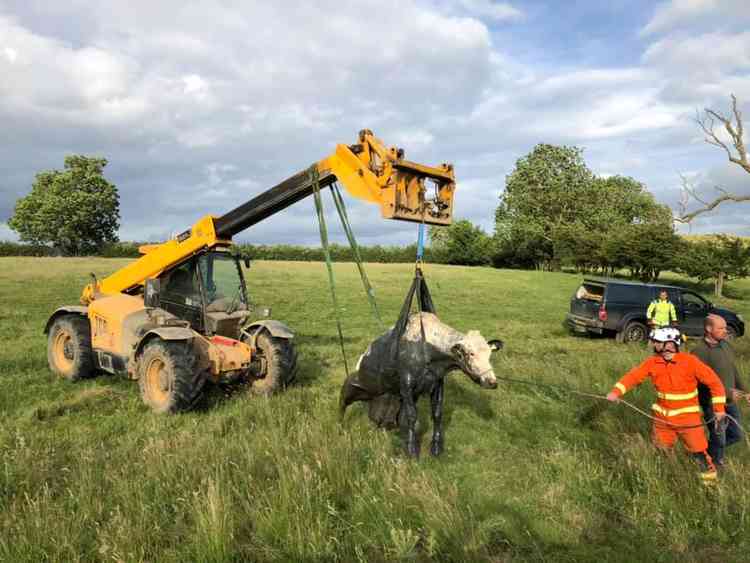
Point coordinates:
[(87, 473)]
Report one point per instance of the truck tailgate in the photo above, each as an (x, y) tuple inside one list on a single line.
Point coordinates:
[(584, 308)]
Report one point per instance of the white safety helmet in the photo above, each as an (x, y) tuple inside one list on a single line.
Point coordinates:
[(666, 334)]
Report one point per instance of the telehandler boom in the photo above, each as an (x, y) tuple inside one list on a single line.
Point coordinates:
[(177, 317)]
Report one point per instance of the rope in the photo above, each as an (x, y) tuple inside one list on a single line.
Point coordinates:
[(604, 397), (369, 291), (313, 171), (744, 432)]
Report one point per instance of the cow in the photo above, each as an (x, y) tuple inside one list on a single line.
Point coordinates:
[(394, 372)]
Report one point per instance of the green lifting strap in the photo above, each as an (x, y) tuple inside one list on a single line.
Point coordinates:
[(314, 176), (369, 291)]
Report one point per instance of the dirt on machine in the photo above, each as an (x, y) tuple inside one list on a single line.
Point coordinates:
[(180, 316)]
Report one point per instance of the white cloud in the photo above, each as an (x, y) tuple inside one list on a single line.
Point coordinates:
[(708, 54), (10, 54), (6, 233), (195, 85), (415, 139), (674, 12), (45, 75), (702, 69), (680, 14), (216, 172), (496, 11)]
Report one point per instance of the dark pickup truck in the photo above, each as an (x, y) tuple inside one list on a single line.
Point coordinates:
[(609, 306)]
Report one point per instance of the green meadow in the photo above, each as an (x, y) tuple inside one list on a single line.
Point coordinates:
[(87, 473)]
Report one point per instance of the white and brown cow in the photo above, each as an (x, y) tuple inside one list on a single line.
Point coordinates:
[(393, 373)]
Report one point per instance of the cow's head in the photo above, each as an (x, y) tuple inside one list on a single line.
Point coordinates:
[(472, 354)]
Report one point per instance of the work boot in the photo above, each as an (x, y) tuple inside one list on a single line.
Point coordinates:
[(709, 478), (708, 470)]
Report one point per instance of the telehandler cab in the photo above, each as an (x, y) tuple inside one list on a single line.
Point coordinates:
[(177, 317)]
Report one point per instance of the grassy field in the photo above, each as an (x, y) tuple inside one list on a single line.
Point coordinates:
[(89, 474)]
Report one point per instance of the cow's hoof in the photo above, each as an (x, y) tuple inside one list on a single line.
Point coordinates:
[(436, 449), (412, 451)]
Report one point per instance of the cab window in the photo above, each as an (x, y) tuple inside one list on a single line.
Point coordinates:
[(181, 294), (693, 301), (222, 282)]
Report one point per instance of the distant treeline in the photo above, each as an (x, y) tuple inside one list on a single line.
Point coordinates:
[(339, 253)]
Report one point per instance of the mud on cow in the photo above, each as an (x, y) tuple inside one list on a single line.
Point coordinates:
[(394, 372)]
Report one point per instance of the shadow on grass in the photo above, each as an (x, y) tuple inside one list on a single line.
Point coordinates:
[(321, 340), (472, 398), (311, 368), (312, 365), (101, 400)]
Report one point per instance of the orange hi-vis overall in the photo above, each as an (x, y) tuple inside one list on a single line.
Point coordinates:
[(676, 382)]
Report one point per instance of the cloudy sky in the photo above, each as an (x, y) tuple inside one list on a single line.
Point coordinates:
[(199, 106)]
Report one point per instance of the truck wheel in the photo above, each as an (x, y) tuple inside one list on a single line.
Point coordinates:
[(279, 359), (634, 331), (69, 347), (168, 378)]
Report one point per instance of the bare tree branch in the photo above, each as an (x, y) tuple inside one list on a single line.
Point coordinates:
[(687, 217), (736, 154)]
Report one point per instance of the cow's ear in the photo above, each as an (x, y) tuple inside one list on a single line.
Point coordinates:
[(495, 345)]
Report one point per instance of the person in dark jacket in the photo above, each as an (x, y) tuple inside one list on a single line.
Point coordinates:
[(714, 351)]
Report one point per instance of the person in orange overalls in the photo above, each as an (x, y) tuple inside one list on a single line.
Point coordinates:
[(676, 376)]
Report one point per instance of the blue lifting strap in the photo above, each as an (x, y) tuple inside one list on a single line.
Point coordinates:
[(420, 243)]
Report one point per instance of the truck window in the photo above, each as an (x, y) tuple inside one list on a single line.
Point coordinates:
[(624, 293), (673, 294), (693, 301)]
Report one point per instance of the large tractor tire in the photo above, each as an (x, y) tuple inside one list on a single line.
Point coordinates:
[(168, 378), (69, 347), (279, 359)]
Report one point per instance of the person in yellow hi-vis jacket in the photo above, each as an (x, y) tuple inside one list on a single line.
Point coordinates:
[(661, 312)]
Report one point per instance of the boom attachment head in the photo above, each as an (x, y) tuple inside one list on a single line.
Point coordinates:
[(404, 190)]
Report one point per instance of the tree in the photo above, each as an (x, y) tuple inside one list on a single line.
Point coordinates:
[(579, 245), (737, 154), (438, 236), (622, 200), (720, 259), (76, 210), (646, 249), (463, 243), (554, 210), (546, 189)]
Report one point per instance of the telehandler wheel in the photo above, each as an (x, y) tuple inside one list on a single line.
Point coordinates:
[(280, 362), (168, 378), (69, 347)]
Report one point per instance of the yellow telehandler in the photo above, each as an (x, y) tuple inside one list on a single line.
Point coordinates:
[(177, 317)]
